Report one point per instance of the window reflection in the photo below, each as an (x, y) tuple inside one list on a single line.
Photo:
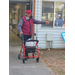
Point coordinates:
[(59, 10), (47, 13), (17, 10)]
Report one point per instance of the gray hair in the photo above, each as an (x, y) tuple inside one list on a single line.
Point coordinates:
[(25, 14)]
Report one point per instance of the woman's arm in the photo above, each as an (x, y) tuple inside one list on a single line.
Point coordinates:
[(38, 22), (20, 25)]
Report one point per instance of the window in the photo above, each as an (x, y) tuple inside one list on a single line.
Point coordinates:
[(60, 10), (48, 13)]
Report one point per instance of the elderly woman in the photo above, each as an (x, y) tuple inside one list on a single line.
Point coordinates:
[(25, 25)]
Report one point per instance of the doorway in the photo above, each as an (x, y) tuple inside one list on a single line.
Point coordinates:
[(16, 11)]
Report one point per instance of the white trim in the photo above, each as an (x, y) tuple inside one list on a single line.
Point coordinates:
[(55, 0), (47, 1), (41, 13), (54, 15)]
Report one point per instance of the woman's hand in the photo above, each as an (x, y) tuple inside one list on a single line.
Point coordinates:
[(21, 33), (47, 22)]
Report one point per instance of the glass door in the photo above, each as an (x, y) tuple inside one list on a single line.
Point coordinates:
[(16, 11)]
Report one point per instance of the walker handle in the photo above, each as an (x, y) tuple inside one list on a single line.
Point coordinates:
[(32, 40), (22, 37)]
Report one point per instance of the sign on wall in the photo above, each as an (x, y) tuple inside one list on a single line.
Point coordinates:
[(63, 35)]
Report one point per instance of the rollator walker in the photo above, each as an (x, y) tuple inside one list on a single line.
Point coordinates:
[(29, 49)]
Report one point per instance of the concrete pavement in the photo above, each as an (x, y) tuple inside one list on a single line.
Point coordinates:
[(31, 67)]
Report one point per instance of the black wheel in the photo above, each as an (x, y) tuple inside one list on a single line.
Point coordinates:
[(23, 61), (33, 55), (37, 59), (19, 56)]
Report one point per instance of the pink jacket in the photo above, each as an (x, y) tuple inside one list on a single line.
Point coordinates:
[(27, 26)]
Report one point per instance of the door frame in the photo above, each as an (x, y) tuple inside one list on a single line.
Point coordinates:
[(34, 17)]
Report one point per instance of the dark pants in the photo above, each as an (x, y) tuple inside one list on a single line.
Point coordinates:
[(26, 37)]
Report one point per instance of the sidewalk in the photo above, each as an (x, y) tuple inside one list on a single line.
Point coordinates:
[(31, 67)]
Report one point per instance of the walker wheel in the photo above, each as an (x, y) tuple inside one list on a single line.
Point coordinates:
[(18, 56), (23, 61), (33, 55), (37, 59)]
